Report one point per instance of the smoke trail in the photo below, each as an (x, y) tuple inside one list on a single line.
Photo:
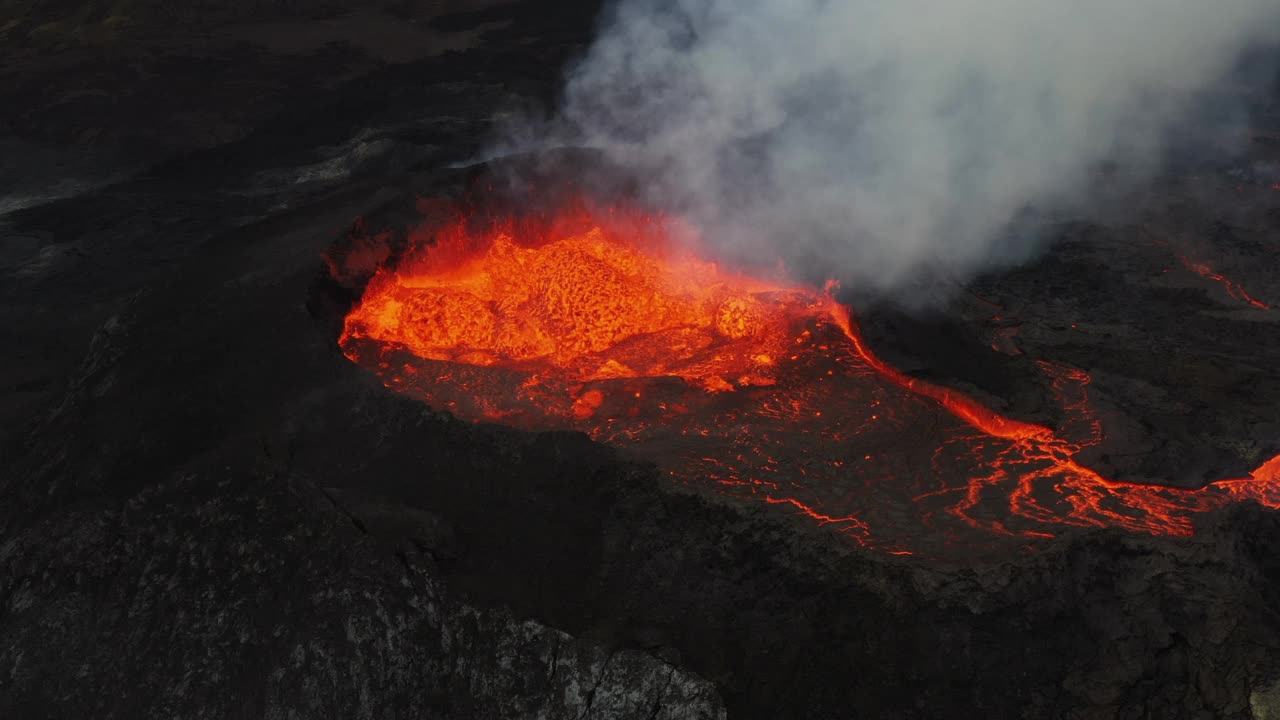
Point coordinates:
[(884, 138)]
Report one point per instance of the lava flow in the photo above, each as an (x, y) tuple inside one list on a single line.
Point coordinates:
[(1232, 287), (753, 388)]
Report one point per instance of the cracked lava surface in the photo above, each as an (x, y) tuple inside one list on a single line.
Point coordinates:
[(742, 385)]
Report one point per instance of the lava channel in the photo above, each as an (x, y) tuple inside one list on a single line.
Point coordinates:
[(1232, 287), (739, 384)]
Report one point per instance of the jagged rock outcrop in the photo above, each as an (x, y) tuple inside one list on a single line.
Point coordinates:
[(237, 592)]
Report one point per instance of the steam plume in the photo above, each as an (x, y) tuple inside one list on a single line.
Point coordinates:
[(886, 137)]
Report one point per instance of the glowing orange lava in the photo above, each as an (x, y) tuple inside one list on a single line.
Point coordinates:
[(581, 307), (758, 389), (1231, 286)]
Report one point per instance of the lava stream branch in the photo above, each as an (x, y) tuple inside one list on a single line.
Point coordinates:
[(1232, 287), (1041, 457)]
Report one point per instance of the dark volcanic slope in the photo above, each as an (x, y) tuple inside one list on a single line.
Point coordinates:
[(206, 510)]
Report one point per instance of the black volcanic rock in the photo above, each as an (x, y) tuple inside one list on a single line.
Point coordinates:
[(206, 510), (948, 348), (219, 483), (220, 593)]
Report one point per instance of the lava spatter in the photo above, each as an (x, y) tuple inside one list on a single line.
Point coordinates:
[(754, 388)]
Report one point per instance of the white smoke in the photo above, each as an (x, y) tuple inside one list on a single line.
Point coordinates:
[(881, 138)]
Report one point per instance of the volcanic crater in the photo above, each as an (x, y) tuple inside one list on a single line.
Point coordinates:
[(743, 385), (210, 510)]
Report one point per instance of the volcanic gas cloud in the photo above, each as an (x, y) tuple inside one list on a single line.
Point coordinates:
[(740, 384)]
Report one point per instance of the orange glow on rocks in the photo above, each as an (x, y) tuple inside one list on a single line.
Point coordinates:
[(613, 324)]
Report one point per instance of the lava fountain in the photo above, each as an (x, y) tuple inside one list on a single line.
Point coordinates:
[(750, 386)]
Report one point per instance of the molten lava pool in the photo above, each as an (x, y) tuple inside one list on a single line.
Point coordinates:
[(562, 314), (738, 384)]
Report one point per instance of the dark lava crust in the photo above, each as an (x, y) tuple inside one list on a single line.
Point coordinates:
[(207, 511)]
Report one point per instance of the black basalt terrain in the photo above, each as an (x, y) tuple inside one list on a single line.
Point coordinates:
[(206, 510)]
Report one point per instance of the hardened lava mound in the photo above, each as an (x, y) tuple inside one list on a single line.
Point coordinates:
[(742, 384)]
